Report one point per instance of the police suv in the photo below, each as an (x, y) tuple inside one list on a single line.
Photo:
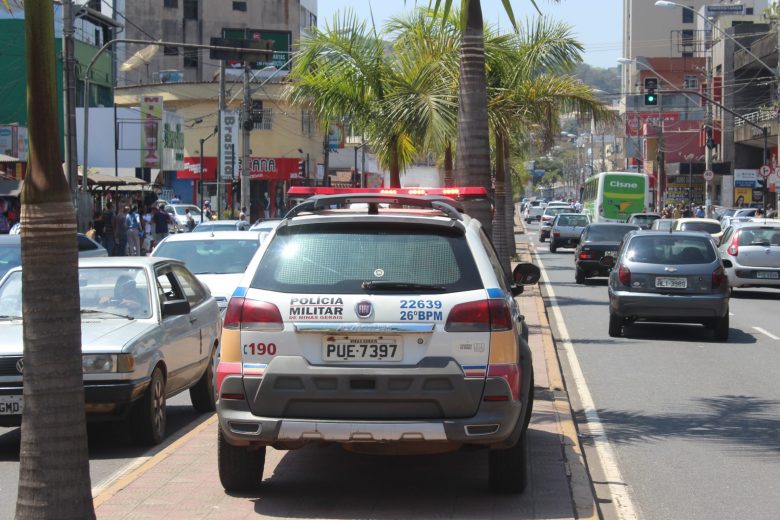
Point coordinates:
[(381, 321)]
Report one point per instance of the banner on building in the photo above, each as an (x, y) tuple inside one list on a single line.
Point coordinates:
[(635, 120), (151, 131), (228, 146), (260, 168), (172, 142)]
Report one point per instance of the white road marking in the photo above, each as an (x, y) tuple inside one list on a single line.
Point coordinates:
[(618, 488), (762, 331)]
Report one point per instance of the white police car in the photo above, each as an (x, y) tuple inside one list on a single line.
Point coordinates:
[(383, 322)]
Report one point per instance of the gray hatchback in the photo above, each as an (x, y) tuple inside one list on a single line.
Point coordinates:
[(669, 277)]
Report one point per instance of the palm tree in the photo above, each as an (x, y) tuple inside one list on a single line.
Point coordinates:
[(402, 105), (54, 477)]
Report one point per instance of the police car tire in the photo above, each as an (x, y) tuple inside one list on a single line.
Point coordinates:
[(202, 393), (149, 415), (240, 468), (508, 469)]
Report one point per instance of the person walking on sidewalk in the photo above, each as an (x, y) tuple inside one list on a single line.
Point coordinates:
[(133, 233), (108, 229), (120, 232)]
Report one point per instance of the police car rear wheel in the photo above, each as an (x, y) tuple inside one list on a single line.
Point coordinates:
[(240, 468), (508, 469)]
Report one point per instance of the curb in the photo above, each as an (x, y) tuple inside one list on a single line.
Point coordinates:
[(583, 496)]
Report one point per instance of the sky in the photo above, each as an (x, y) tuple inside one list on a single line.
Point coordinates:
[(597, 24)]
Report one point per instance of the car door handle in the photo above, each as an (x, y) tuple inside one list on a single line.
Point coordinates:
[(193, 320)]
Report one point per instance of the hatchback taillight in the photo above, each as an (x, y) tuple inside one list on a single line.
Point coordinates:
[(479, 316), (733, 249), (557, 234), (246, 314), (718, 277), (624, 274)]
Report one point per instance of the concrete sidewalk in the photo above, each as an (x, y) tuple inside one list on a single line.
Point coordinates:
[(327, 482)]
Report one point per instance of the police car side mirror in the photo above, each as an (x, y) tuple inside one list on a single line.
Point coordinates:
[(526, 274)]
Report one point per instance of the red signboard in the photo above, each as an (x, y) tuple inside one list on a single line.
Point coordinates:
[(260, 168), (635, 120)]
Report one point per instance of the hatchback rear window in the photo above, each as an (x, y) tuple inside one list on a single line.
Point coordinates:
[(670, 249), (765, 236), (608, 233), (340, 259), (573, 220), (707, 227)]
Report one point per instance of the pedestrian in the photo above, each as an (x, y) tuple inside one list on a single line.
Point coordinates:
[(676, 213), (161, 220), (700, 212), (190, 220), (120, 231), (5, 226), (175, 199), (133, 232), (759, 213), (243, 215), (91, 232), (146, 242), (207, 213), (108, 228), (97, 219)]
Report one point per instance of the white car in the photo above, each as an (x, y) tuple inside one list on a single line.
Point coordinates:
[(149, 330), (179, 214), (383, 329), (218, 259), (751, 254)]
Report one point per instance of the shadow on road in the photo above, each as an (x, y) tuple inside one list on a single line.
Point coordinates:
[(690, 333), (755, 294)]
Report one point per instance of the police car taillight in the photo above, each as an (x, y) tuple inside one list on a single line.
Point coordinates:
[(510, 373), (479, 316), (246, 314)]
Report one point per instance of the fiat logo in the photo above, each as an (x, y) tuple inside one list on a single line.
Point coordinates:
[(364, 309), (20, 366)]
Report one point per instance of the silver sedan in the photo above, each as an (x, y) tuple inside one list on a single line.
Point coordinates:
[(149, 330)]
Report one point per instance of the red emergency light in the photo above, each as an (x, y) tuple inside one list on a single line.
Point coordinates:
[(455, 193)]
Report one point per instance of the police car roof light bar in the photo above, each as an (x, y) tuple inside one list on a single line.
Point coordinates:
[(319, 202)]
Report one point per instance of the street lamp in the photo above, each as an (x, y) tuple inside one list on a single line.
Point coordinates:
[(202, 196)]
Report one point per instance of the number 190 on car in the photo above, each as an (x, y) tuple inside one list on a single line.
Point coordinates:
[(346, 348)]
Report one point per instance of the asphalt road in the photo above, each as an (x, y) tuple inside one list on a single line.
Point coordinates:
[(111, 450), (694, 424)]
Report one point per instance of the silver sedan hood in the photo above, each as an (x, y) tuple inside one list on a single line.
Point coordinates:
[(105, 335)]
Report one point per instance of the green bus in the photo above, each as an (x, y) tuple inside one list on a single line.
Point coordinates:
[(614, 196)]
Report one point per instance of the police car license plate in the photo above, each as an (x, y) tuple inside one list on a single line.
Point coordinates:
[(362, 348), (11, 404), (673, 283)]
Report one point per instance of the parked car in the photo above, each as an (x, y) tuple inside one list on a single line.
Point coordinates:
[(221, 225), (149, 330), (662, 224), (567, 229), (546, 221), (534, 213), (643, 220), (598, 247), (343, 331), (11, 250), (707, 225), (751, 254), (669, 277), (179, 214), (217, 259)]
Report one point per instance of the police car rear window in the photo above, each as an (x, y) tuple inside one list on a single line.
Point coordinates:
[(340, 260)]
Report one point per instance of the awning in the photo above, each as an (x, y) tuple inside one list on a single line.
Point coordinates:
[(7, 158), (106, 177), (10, 188)]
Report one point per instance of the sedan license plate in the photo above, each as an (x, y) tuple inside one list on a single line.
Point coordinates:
[(671, 283), (11, 404), (362, 348), (610, 253), (766, 274)]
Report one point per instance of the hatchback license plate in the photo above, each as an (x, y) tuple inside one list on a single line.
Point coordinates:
[(362, 348), (673, 283), (766, 274), (11, 404)]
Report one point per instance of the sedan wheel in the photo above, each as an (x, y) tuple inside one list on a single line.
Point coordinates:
[(553, 246), (615, 325), (149, 413), (579, 275), (202, 395)]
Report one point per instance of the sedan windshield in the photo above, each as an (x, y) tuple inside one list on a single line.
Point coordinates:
[(104, 292), (608, 233), (210, 256), (670, 249)]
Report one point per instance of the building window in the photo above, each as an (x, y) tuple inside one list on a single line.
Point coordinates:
[(239, 6), (687, 36), (191, 59), (748, 10), (687, 54), (170, 51), (263, 119), (306, 122), (690, 81), (687, 15), (171, 4), (190, 9)]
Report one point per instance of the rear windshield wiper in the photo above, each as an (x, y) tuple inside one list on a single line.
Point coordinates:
[(400, 286)]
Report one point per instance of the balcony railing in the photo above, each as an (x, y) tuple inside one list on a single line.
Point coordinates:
[(766, 114)]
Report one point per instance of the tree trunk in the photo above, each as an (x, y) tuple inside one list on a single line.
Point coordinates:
[(54, 477), (510, 203), (395, 169), (499, 230), (449, 179), (472, 159)]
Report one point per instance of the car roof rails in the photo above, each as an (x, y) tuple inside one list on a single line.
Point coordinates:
[(435, 202)]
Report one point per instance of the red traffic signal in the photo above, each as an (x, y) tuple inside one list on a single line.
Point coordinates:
[(301, 168)]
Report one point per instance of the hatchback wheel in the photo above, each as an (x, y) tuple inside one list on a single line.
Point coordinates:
[(615, 325), (240, 468), (720, 328), (541, 237), (508, 469), (553, 246), (149, 413)]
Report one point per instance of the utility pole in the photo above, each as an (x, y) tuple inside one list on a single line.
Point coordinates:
[(69, 98), (220, 165), (708, 133), (246, 126)]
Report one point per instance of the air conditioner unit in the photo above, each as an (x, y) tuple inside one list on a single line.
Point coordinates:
[(171, 76)]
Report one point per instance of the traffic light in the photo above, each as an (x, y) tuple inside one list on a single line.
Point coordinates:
[(301, 168), (651, 98), (651, 85)]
